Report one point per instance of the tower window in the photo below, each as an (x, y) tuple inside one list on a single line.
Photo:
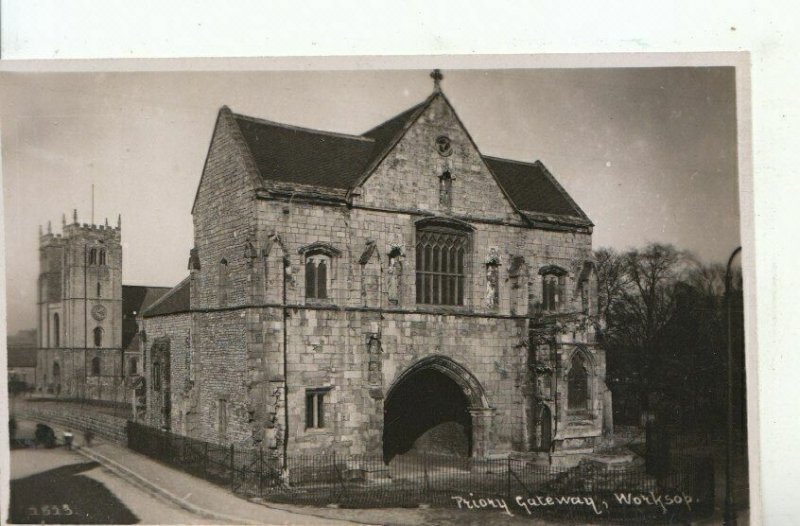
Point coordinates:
[(93, 256), (98, 337), (56, 330), (441, 265), (315, 408), (99, 289), (102, 257), (96, 366), (133, 366)]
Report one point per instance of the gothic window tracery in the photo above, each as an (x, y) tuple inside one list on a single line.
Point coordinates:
[(442, 254)]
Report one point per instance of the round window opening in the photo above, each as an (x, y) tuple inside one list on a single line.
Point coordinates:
[(443, 145)]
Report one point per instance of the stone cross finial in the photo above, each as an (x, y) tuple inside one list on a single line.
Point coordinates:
[(437, 77)]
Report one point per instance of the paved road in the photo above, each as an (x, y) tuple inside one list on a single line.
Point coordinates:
[(56, 486)]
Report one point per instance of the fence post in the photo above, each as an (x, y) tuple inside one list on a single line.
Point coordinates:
[(334, 473), (233, 472), (205, 460), (508, 478), (260, 471)]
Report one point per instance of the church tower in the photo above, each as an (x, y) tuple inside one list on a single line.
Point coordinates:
[(80, 287)]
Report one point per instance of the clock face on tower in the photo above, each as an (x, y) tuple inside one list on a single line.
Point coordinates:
[(99, 312)]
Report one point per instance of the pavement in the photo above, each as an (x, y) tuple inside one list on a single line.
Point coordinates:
[(196, 496)]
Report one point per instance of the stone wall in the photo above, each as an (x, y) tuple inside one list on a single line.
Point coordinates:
[(224, 218), (77, 418)]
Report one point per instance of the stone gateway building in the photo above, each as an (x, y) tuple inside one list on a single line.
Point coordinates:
[(378, 293)]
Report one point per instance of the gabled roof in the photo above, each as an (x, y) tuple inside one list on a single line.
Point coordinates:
[(331, 164), (136, 299), (174, 301), (299, 155), (533, 188)]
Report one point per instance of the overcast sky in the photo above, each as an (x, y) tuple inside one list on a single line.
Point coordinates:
[(649, 154)]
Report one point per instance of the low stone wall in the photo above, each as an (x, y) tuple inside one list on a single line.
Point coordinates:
[(76, 418)]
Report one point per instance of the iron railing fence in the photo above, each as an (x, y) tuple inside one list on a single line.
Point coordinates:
[(590, 492)]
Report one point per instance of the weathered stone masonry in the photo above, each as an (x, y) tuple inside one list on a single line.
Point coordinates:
[(269, 226)]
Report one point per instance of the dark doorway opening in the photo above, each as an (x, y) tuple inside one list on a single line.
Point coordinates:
[(427, 412)]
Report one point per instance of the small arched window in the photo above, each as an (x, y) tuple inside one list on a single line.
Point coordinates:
[(99, 290), (156, 376), (102, 257), (133, 366), (93, 256), (317, 277), (223, 283), (578, 384), (56, 371), (56, 330), (98, 337), (445, 189), (96, 366)]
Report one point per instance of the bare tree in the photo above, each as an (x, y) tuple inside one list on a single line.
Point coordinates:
[(637, 290)]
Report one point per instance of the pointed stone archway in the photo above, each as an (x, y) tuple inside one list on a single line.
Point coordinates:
[(436, 405)]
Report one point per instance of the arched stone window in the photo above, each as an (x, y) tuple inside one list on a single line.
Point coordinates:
[(223, 283), (319, 270), (443, 252), (133, 366), (102, 259), (493, 280), (93, 256), (317, 276), (553, 288), (98, 336), (156, 376), (96, 366), (56, 372), (578, 392), (99, 290), (445, 189), (56, 330)]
